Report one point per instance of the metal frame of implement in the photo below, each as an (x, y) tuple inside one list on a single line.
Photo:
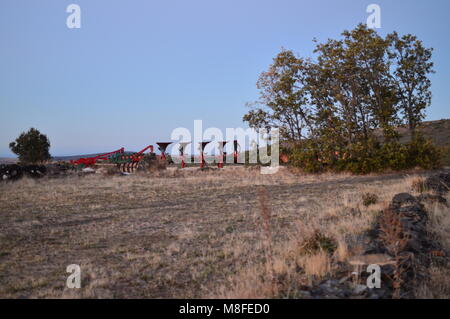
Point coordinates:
[(91, 161), (129, 162)]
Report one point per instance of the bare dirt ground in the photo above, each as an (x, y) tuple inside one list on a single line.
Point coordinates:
[(169, 235)]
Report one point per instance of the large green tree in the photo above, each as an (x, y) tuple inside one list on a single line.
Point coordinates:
[(31, 147), (339, 103), (412, 67), (351, 85), (283, 101), (355, 85)]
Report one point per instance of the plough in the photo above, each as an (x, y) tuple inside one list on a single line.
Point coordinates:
[(91, 161), (128, 162), (222, 154)]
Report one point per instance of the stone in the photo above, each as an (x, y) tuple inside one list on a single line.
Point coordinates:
[(401, 199), (359, 289), (439, 183), (432, 199)]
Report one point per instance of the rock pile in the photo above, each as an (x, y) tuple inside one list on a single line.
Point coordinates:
[(401, 232), (14, 171), (399, 243), (439, 183)]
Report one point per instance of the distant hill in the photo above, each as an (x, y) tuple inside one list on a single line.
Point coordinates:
[(437, 131), (8, 160), (75, 157)]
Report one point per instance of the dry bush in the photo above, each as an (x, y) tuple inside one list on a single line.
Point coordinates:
[(438, 284), (318, 242), (334, 225), (185, 233), (418, 185), (342, 250), (391, 232), (369, 199), (317, 265)]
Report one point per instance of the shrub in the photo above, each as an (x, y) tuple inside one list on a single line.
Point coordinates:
[(318, 242), (369, 199), (306, 156), (418, 185), (423, 153), (394, 155), (363, 157)]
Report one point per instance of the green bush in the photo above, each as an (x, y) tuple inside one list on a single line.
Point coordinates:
[(423, 153), (305, 156), (363, 157), (446, 156), (394, 155)]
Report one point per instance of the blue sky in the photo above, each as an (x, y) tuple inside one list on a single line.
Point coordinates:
[(138, 69)]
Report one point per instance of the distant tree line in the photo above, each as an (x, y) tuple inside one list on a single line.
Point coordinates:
[(339, 110)]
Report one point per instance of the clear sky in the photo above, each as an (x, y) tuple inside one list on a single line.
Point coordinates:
[(137, 69)]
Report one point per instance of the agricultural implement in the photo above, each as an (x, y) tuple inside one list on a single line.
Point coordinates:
[(222, 155), (91, 161), (162, 146), (236, 149), (127, 163), (182, 150), (202, 155)]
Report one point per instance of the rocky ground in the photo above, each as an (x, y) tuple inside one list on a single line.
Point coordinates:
[(401, 244)]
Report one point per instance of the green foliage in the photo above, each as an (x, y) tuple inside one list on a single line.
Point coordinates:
[(412, 63), (31, 147), (363, 157), (423, 153), (355, 87), (305, 155), (446, 156), (283, 97)]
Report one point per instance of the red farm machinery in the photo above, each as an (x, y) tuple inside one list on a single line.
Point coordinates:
[(126, 162), (91, 161)]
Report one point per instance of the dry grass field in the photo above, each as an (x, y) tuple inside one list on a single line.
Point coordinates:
[(188, 234)]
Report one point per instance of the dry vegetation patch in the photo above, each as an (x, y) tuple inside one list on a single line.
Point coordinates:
[(184, 233)]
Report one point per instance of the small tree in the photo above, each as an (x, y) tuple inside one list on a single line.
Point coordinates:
[(31, 147)]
